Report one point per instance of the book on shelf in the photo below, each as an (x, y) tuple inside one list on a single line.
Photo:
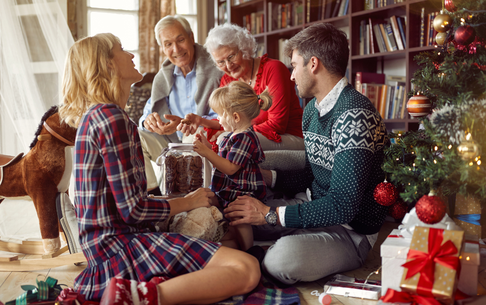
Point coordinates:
[(312, 10), (260, 49), (367, 77), (401, 21), (335, 9), (222, 14), (391, 37), (396, 32), (422, 27), (329, 8), (383, 100), (372, 92), (393, 82), (386, 47)]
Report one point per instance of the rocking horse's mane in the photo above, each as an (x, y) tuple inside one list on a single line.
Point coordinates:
[(46, 115)]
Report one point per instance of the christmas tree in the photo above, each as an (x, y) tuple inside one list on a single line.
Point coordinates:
[(451, 85)]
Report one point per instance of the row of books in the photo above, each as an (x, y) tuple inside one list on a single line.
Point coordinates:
[(283, 15), (372, 4), (382, 35), (254, 22), (387, 93), (324, 9), (427, 31)]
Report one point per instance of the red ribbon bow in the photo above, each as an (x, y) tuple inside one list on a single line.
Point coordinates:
[(425, 262), (393, 296)]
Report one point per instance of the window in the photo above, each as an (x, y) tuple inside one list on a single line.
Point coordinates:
[(188, 9), (119, 17)]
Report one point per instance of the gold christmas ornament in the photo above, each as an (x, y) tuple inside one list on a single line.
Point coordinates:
[(440, 38), (468, 149), (442, 23)]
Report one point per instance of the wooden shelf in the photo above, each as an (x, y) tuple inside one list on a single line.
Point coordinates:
[(350, 23)]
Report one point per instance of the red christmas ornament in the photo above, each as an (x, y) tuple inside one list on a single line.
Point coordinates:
[(464, 35), (385, 193), (398, 209), (430, 209), (419, 106), (449, 5)]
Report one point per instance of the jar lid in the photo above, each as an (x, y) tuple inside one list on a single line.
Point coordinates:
[(181, 146)]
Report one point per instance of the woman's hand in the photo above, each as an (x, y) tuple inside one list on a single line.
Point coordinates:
[(201, 145), (189, 124), (246, 210), (202, 197)]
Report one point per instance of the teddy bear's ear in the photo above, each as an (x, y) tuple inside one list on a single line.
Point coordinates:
[(217, 215)]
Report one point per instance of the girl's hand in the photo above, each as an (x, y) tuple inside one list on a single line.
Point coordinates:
[(202, 197), (201, 145), (189, 124)]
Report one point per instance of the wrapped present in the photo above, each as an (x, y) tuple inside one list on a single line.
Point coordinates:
[(394, 252), (432, 267), (468, 279), (468, 214)]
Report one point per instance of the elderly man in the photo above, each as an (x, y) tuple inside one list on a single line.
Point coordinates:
[(330, 227), (181, 87)]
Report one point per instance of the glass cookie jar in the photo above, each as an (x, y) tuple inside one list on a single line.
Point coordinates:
[(183, 170)]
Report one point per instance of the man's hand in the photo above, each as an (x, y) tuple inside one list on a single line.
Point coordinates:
[(189, 124), (154, 123), (201, 145), (247, 210)]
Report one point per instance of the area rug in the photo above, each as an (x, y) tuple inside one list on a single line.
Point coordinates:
[(266, 293)]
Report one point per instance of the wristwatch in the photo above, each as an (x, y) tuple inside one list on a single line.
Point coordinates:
[(271, 216)]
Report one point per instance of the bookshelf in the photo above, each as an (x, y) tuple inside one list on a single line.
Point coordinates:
[(350, 20)]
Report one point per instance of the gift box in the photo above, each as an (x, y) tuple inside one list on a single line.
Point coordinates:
[(394, 252), (468, 214), (432, 267)]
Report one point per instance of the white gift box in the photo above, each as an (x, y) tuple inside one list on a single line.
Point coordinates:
[(394, 252)]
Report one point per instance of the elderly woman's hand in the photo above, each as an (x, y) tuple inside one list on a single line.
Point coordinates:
[(246, 210)]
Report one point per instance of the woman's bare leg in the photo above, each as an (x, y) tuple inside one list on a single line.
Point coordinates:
[(229, 272)]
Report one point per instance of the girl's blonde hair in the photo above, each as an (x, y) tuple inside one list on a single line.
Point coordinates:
[(240, 97), (88, 79)]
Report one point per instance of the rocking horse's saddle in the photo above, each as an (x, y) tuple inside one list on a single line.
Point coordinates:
[(7, 160)]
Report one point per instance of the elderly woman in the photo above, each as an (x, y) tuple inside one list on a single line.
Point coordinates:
[(232, 48)]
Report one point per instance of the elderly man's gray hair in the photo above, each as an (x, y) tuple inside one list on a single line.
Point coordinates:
[(168, 21)]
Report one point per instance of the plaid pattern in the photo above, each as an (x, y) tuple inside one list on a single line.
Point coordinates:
[(115, 216), (242, 149), (266, 293)]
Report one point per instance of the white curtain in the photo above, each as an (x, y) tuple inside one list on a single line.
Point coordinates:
[(34, 40)]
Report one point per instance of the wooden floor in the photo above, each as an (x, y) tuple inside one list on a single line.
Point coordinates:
[(10, 282)]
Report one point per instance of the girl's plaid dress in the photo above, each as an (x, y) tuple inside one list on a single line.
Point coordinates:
[(115, 216), (243, 149)]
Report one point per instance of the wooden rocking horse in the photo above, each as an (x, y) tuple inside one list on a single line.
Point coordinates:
[(42, 174)]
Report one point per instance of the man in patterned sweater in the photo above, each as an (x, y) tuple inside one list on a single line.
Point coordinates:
[(332, 226)]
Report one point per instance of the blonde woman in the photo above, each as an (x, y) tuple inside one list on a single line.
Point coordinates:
[(126, 258)]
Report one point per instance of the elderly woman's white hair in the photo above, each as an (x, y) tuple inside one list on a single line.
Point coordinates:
[(231, 35), (168, 21)]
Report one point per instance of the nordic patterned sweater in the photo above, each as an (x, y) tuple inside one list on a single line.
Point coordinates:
[(344, 153)]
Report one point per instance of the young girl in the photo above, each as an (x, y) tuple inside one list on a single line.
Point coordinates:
[(236, 171)]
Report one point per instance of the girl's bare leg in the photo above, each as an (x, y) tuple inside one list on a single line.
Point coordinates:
[(229, 272), (244, 235)]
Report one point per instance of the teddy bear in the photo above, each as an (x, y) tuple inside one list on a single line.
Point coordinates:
[(203, 223)]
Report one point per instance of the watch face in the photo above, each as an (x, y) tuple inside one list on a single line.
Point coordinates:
[(271, 218)]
